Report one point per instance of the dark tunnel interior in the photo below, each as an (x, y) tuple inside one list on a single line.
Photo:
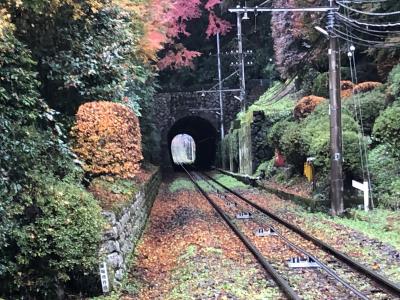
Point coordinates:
[(204, 135)]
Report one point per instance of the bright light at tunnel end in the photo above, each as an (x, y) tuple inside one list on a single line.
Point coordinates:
[(183, 149)]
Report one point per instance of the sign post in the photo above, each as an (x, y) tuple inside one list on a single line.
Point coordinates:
[(365, 188), (105, 285)]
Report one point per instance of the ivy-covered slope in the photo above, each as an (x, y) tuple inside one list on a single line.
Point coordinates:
[(298, 136)]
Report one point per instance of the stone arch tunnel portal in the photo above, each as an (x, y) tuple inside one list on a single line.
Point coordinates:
[(204, 135)]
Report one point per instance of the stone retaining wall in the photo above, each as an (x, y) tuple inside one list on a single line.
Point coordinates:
[(124, 230)]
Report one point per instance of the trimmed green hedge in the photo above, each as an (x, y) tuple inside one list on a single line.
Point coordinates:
[(315, 134), (311, 137), (394, 82), (321, 85), (385, 174), (371, 105), (387, 128)]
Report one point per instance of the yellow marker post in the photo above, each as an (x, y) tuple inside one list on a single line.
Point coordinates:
[(308, 171)]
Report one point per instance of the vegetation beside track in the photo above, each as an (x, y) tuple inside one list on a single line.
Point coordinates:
[(370, 117)]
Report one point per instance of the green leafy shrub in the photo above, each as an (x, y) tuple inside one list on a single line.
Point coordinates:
[(57, 227), (275, 133), (391, 198), (321, 86), (39, 241), (311, 138), (394, 81), (266, 167), (292, 145), (49, 225), (307, 80), (315, 132), (371, 104), (387, 128), (385, 171), (286, 136)]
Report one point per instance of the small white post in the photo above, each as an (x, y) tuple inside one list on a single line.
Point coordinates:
[(366, 196), (104, 278), (365, 188)]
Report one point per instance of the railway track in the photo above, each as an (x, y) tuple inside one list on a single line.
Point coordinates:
[(265, 234)]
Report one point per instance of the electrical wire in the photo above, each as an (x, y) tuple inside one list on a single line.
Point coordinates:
[(362, 1), (368, 13), (265, 2), (365, 23), (359, 116), (365, 31), (358, 113), (354, 25), (364, 42), (353, 36)]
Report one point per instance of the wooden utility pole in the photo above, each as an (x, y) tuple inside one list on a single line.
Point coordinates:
[(335, 112)]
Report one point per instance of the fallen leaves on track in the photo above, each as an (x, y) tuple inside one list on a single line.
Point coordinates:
[(187, 252)]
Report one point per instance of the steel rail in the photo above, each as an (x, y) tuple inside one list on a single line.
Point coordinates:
[(323, 266), (381, 280), (281, 282)]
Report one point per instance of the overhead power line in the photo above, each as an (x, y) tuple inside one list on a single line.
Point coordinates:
[(392, 13), (365, 23), (364, 42), (367, 32), (376, 30), (362, 1), (283, 9)]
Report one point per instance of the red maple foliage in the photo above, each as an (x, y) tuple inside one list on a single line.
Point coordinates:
[(211, 3), (216, 25), (180, 12), (168, 24), (177, 59)]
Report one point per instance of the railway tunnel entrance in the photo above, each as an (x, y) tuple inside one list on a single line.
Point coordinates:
[(204, 136)]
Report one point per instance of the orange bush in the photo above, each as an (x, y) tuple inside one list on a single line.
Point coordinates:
[(306, 105), (366, 86), (346, 88), (346, 93), (346, 85), (107, 138)]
